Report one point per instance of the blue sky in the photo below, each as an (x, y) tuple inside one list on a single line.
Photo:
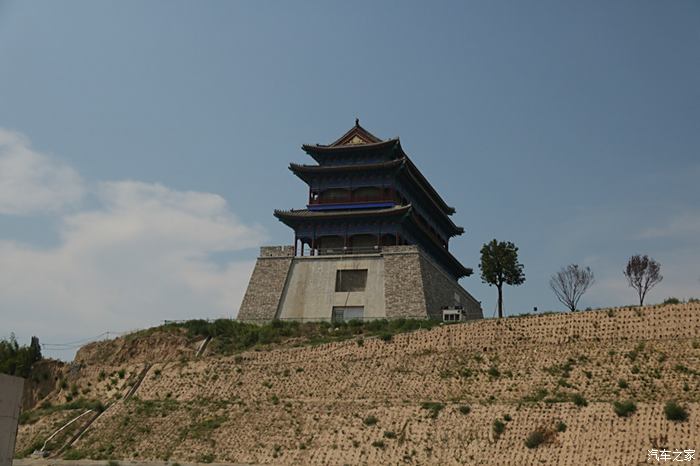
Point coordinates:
[(144, 145)]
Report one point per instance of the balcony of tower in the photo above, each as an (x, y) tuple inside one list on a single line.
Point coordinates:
[(372, 198), (349, 244), (353, 198)]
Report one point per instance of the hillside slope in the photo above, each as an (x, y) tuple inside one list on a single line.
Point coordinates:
[(460, 394)]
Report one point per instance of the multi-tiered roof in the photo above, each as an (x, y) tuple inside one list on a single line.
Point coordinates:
[(366, 193)]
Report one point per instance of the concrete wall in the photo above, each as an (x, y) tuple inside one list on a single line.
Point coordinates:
[(264, 292), (10, 402), (310, 291)]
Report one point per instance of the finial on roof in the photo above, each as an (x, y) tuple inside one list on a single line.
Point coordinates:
[(357, 122)]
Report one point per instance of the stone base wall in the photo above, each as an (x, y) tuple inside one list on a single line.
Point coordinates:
[(441, 290), (402, 282), (262, 297), (10, 401)]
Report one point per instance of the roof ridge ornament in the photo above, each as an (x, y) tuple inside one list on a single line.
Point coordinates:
[(356, 135)]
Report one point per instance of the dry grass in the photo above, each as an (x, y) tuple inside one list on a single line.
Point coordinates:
[(529, 373)]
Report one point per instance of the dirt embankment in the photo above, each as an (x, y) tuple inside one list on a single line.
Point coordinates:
[(45, 375), (140, 347), (57, 382), (469, 393)]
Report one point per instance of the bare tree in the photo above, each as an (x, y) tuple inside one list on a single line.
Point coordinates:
[(642, 274), (570, 283)]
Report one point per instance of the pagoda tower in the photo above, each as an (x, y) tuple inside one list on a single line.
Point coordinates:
[(372, 242)]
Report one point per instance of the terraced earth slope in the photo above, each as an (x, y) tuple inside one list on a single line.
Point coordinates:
[(525, 390)]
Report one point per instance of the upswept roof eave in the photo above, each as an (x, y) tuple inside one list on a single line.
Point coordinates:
[(431, 191), (460, 269), (412, 170), (306, 214), (312, 149), (304, 172), (301, 168), (292, 218)]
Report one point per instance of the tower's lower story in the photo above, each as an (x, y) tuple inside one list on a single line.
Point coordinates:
[(385, 282)]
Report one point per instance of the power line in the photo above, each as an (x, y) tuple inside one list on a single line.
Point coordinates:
[(79, 343)]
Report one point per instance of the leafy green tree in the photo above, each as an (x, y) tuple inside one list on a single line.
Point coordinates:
[(499, 266), (18, 360)]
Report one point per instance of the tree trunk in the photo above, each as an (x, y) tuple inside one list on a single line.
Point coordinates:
[(500, 301)]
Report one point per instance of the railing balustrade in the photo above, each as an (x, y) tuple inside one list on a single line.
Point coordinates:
[(349, 250)]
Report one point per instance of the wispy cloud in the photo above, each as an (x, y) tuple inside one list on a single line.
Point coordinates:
[(32, 182), (685, 224), (667, 231), (142, 253)]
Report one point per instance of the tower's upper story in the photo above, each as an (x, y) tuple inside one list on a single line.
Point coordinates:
[(359, 159), (362, 179)]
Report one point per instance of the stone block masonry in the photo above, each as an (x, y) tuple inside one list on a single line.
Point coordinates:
[(403, 289), (402, 281), (440, 290), (416, 287), (262, 298)]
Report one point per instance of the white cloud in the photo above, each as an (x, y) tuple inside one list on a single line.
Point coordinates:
[(32, 182), (145, 253)]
